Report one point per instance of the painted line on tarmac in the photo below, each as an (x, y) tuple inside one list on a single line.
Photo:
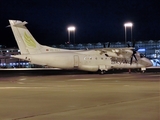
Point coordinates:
[(82, 79), (21, 87), (22, 79)]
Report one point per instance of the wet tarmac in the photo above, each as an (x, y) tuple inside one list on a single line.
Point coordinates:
[(79, 96)]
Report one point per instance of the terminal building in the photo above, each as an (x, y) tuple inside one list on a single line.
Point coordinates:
[(150, 49)]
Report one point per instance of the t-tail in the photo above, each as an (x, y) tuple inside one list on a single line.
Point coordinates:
[(26, 42)]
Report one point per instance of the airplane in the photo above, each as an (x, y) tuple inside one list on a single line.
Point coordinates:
[(92, 60)]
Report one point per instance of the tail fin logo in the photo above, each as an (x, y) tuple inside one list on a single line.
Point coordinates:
[(29, 41)]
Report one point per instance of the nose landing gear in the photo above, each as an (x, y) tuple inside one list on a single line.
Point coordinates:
[(101, 72), (143, 70)]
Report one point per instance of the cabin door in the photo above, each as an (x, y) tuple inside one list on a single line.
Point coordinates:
[(76, 61)]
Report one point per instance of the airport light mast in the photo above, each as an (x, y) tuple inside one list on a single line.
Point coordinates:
[(71, 30), (128, 24)]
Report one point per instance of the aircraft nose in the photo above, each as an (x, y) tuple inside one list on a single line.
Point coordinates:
[(149, 63), (146, 62)]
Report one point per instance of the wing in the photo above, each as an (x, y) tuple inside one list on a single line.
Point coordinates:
[(116, 52)]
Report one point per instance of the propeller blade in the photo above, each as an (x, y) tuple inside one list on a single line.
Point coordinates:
[(134, 52), (135, 57)]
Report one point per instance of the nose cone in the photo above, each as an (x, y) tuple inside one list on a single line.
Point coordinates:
[(148, 63)]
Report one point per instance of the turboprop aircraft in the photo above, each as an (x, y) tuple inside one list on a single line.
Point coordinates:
[(87, 60)]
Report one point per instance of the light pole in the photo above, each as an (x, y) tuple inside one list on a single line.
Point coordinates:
[(71, 29), (128, 24)]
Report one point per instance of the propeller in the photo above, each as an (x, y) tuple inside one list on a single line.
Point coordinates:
[(134, 52), (133, 55)]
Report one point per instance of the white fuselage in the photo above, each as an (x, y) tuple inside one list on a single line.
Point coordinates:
[(80, 61), (70, 60)]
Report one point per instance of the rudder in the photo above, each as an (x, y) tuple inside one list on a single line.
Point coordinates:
[(26, 42)]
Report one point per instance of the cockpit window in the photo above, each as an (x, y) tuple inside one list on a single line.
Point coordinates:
[(142, 55), (106, 55)]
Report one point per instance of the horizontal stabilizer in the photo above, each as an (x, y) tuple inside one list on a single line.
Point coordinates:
[(23, 57), (19, 23)]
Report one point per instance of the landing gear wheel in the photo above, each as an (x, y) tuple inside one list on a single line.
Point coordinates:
[(102, 72), (143, 71)]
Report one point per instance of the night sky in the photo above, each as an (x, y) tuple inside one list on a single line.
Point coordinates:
[(95, 20)]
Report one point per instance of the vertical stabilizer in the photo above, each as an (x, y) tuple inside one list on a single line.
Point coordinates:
[(26, 42)]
